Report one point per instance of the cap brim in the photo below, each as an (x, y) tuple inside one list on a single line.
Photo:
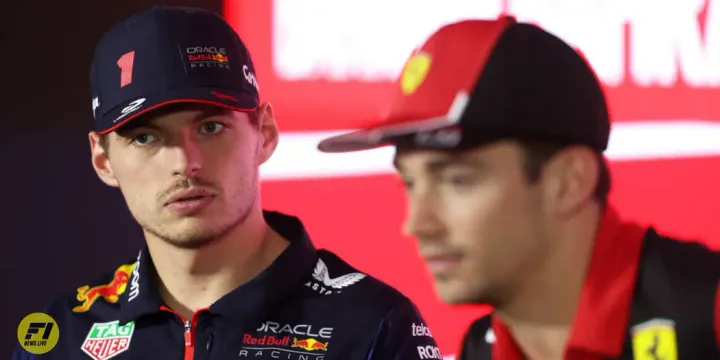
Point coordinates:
[(234, 100), (380, 135)]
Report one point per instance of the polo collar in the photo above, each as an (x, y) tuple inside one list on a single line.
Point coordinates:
[(603, 310), (251, 299)]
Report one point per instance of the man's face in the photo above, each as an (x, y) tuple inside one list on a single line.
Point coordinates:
[(476, 217), (188, 173)]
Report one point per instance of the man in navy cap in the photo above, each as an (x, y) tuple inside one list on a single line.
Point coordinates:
[(180, 130), (499, 129)]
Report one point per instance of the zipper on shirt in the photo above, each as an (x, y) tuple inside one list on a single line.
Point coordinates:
[(189, 330), (188, 339)]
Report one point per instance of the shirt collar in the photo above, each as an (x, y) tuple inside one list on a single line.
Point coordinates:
[(603, 309), (253, 298)]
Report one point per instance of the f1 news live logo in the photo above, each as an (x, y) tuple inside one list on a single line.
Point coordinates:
[(38, 333)]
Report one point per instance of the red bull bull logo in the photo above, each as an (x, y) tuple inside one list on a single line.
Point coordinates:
[(208, 58), (220, 58), (110, 292), (310, 344)]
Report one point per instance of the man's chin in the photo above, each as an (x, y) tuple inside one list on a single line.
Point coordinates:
[(200, 224), (457, 293), (190, 233), (191, 243), (198, 230), (451, 292)]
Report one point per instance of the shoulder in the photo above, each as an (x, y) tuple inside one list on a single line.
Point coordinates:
[(105, 288), (479, 328), (478, 339), (73, 311), (680, 277), (390, 323), (680, 258), (480, 331), (372, 294)]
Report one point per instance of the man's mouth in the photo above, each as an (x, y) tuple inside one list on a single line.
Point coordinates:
[(189, 195), (440, 263), (190, 198), (190, 202)]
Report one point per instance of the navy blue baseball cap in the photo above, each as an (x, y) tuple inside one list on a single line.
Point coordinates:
[(169, 55)]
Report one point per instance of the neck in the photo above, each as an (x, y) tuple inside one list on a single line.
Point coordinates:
[(541, 314), (192, 279)]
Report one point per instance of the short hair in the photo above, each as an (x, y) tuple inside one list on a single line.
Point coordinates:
[(104, 141), (537, 153)]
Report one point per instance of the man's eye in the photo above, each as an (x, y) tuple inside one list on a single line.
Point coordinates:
[(143, 139), (211, 127), (460, 179)]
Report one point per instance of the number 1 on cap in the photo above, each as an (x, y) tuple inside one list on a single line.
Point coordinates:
[(125, 63)]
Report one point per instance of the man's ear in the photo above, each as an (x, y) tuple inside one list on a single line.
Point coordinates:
[(571, 177), (269, 133), (100, 160)]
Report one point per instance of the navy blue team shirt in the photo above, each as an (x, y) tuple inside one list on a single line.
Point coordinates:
[(308, 305)]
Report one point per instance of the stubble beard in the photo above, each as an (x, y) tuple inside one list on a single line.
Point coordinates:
[(198, 237)]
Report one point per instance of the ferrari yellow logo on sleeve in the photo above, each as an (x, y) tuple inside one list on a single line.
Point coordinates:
[(414, 72), (654, 340)]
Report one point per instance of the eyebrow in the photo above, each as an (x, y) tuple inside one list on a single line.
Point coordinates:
[(145, 120), (211, 112), (442, 163)]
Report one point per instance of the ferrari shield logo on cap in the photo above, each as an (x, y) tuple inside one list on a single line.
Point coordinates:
[(433, 90), (415, 72), (654, 339)]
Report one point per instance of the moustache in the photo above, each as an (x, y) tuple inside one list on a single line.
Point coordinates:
[(186, 184)]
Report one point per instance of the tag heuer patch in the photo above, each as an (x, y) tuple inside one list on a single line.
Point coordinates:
[(106, 340)]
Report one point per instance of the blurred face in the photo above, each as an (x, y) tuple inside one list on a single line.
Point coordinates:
[(476, 218), (188, 173)]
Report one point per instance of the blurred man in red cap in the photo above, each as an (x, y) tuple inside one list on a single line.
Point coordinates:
[(499, 129)]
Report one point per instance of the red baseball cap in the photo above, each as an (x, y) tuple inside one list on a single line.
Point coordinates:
[(476, 81)]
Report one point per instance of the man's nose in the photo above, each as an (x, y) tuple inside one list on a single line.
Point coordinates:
[(186, 156), (422, 220)]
